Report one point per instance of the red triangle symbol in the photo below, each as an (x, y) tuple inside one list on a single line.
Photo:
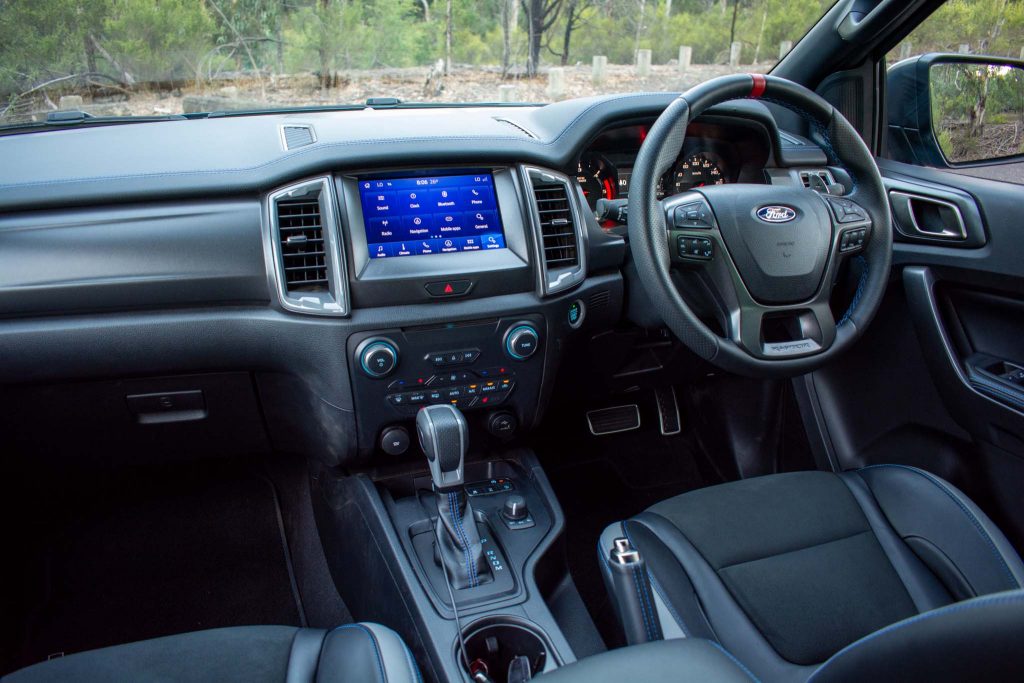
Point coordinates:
[(448, 288)]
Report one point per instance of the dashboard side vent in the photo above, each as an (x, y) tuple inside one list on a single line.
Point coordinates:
[(302, 244), (559, 231), (308, 252), (819, 180), (293, 136)]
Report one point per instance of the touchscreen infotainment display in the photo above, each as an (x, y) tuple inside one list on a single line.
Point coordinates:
[(423, 215)]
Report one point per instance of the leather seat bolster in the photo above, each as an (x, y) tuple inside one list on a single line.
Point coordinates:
[(950, 534), (253, 654), (934, 646), (924, 588), (689, 660)]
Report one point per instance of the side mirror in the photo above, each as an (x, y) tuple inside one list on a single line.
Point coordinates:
[(953, 109)]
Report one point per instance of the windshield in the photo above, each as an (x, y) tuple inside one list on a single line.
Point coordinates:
[(167, 57)]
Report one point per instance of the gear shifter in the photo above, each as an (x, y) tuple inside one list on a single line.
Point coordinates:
[(444, 437)]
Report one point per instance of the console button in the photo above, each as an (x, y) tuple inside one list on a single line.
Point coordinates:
[(502, 424), (521, 341), (394, 440), (448, 287), (416, 397), (398, 399), (435, 396), (377, 357)]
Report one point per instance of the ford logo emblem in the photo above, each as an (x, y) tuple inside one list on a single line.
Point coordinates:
[(776, 214)]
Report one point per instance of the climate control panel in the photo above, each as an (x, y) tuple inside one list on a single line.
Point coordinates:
[(475, 366)]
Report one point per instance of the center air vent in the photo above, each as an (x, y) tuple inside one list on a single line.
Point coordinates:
[(302, 245), (559, 230), (305, 237)]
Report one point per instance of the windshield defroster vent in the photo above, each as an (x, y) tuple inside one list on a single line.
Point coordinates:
[(297, 136), (559, 230), (307, 249)]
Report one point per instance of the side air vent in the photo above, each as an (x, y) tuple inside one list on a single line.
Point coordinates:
[(293, 137), (818, 180), (308, 257), (559, 230), (599, 300), (302, 244)]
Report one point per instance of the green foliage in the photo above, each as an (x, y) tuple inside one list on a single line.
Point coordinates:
[(42, 40), (160, 40)]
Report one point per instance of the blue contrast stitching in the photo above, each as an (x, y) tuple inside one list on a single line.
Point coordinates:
[(736, 661), (664, 599), (984, 601), (373, 641), (861, 284), (818, 127), (668, 605), (987, 385), (963, 508), (648, 627), (412, 663), (453, 508)]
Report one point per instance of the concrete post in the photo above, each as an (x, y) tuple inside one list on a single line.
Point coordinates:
[(905, 50), (507, 93), (556, 83), (965, 49), (685, 57), (598, 70), (735, 50), (784, 48), (643, 63)]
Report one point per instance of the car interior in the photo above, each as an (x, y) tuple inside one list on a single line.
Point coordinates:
[(724, 385)]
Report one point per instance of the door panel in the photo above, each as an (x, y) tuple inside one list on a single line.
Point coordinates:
[(925, 385)]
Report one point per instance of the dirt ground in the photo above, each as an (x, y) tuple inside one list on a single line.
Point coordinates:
[(464, 84)]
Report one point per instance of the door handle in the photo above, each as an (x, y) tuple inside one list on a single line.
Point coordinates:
[(925, 217)]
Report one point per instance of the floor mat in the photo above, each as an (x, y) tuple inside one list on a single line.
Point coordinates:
[(601, 480), (162, 556)]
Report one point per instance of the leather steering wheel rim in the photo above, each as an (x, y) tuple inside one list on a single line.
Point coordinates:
[(653, 254)]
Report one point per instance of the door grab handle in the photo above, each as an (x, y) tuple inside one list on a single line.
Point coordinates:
[(938, 226)]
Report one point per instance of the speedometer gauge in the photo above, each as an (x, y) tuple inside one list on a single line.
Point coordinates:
[(597, 177), (698, 170)]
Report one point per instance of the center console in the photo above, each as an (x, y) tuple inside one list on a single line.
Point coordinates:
[(467, 286)]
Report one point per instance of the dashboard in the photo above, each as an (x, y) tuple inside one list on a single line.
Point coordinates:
[(309, 298), (714, 153)]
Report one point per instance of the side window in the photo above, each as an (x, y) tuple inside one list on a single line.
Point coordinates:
[(955, 89)]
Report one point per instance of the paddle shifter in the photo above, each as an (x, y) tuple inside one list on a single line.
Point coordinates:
[(444, 437)]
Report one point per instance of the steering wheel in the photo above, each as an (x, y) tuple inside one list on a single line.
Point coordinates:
[(766, 256)]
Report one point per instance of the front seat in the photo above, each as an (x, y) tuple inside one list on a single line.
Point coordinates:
[(353, 653), (787, 570)]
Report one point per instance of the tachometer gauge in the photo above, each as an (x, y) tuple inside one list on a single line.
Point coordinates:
[(698, 170), (597, 177)]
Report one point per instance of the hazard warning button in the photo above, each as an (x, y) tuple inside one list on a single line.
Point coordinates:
[(449, 287)]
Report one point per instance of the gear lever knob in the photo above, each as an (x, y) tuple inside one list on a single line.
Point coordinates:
[(444, 437)]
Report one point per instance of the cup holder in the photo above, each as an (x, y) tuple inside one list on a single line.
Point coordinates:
[(494, 642)]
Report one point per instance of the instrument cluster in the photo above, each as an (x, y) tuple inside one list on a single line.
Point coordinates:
[(713, 154)]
